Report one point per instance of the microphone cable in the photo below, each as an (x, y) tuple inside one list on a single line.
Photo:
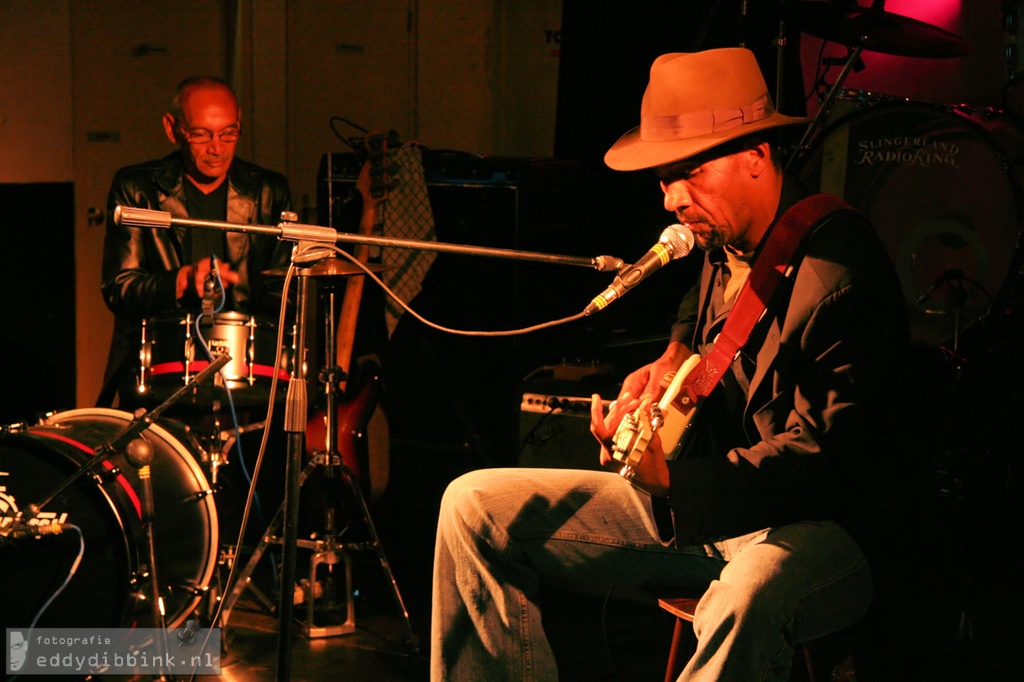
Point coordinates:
[(71, 573)]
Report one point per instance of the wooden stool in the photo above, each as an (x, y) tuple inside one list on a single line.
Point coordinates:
[(684, 643)]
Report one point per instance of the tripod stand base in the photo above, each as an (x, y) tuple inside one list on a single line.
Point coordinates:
[(329, 557)]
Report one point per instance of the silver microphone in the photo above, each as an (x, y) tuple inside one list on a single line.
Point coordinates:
[(675, 242)]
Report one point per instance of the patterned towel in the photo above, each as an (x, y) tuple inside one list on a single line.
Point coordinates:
[(407, 215)]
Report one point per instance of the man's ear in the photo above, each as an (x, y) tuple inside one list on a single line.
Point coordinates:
[(170, 128), (759, 158)]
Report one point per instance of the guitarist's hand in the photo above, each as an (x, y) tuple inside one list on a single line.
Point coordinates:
[(604, 426), (651, 473), (646, 381)]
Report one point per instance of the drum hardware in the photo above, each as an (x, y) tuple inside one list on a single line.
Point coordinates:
[(917, 169), (110, 589), (329, 551), (169, 356), (869, 29)]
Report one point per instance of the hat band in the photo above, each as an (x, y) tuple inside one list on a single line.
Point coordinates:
[(706, 122)]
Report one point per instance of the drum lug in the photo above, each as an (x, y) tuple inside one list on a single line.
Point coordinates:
[(320, 458), (106, 475), (145, 359), (201, 495), (194, 590), (190, 348), (17, 427), (250, 351)]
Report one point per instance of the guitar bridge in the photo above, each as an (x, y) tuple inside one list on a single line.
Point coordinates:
[(625, 436)]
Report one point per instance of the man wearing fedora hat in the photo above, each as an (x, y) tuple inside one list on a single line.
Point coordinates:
[(772, 505)]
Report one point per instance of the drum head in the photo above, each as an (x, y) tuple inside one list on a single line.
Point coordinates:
[(101, 594), (936, 184), (33, 569)]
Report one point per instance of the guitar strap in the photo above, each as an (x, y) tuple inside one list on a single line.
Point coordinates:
[(768, 271)]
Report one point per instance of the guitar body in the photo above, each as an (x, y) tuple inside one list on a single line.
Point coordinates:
[(355, 410), (669, 417)]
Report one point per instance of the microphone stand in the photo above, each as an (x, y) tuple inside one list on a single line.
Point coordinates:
[(298, 232), (139, 454), (295, 408)]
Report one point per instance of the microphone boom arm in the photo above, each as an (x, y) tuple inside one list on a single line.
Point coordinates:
[(292, 231)]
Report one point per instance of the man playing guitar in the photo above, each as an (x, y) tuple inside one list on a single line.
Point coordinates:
[(771, 505)]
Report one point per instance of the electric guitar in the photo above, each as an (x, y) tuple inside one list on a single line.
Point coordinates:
[(358, 403), (670, 417)]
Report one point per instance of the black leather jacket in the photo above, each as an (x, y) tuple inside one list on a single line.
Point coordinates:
[(140, 265)]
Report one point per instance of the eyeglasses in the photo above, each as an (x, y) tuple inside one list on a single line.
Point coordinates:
[(202, 136)]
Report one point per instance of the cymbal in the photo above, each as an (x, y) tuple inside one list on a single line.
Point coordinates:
[(885, 32), (328, 267)]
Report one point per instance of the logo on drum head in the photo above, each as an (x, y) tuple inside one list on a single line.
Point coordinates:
[(8, 506), (908, 150)]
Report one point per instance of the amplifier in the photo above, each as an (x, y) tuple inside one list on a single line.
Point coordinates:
[(554, 431)]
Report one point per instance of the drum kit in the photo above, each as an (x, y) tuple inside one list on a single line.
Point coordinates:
[(917, 170), (156, 532)]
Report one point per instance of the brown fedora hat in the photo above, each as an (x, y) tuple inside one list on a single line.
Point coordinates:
[(696, 101)]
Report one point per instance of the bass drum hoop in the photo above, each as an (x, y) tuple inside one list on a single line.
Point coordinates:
[(156, 429)]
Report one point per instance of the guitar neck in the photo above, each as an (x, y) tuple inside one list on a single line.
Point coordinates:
[(349, 315)]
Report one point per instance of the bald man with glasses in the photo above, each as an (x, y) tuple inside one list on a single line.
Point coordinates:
[(153, 272)]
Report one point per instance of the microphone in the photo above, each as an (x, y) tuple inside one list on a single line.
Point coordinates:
[(21, 529), (139, 454), (210, 289), (954, 274), (675, 242)]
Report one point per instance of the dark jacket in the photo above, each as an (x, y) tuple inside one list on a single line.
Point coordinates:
[(802, 427), (140, 265)]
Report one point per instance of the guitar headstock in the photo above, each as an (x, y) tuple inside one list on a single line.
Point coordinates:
[(377, 176)]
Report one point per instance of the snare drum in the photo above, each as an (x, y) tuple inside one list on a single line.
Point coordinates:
[(106, 590), (171, 354), (940, 185)]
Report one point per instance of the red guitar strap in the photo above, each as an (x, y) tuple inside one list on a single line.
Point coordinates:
[(767, 272)]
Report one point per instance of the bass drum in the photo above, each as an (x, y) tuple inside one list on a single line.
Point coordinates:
[(940, 185), (106, 589)]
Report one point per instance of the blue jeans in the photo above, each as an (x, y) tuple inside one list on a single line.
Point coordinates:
[(500, 530)]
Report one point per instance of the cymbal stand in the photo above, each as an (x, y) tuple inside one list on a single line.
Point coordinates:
[(295, 430), (328, 551), (826, 105)]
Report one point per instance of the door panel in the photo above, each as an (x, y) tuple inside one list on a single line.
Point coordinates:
[(127, 56)]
